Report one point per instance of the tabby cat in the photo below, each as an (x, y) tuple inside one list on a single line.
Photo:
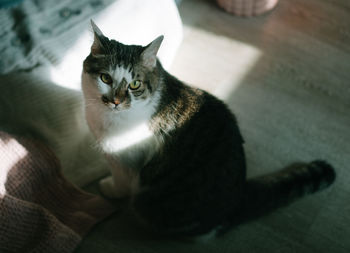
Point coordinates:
[(175, 151)]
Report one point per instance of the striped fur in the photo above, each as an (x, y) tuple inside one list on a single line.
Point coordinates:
[(186, 173), (268, 192)]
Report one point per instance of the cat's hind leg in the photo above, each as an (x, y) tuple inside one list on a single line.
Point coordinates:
[(108, 188), (118, 185)]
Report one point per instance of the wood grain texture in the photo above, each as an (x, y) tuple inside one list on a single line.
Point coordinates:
[(292, 104), (286, 75)]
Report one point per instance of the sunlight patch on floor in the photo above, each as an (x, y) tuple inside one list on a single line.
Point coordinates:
[(220, 72)]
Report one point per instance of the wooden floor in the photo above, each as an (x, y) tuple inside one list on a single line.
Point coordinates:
[(286, 75)]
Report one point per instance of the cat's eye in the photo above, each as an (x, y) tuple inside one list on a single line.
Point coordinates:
[(134, 85), (106, 78)]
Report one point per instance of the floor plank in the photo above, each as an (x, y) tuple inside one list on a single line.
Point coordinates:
[(287, 77)]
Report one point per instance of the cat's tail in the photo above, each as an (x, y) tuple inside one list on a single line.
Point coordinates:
[(268, 192)]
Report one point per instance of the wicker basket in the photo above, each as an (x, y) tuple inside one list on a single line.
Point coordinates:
[(247, 7)]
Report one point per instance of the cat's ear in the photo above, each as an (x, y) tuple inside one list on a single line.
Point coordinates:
[(97, 46), (149, 55)]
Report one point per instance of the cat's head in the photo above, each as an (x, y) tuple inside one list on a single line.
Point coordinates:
[(120, 76)]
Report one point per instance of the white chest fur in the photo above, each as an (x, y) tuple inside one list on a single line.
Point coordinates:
[(125, 135), (131, 142)]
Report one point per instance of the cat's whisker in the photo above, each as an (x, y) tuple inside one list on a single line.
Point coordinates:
[(89, 105)]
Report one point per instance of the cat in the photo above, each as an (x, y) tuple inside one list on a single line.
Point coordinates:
[(176, 152)]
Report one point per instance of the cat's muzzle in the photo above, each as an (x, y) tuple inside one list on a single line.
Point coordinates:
[(111, 104)]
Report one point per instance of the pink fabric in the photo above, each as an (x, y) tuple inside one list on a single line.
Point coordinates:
[(247, 7), (40, 211)]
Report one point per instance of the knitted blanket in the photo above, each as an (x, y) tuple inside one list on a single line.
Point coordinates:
[(40, 211)]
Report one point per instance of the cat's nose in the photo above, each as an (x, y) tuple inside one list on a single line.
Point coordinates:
[(106, 101), (117, 101)]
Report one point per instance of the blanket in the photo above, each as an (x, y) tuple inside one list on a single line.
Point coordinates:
[(40, 211)]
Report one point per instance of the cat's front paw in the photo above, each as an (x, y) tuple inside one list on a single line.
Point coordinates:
[(107, 187)]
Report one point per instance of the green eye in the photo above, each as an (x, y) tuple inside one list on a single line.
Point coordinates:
[(106, 78), (134, 85)]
